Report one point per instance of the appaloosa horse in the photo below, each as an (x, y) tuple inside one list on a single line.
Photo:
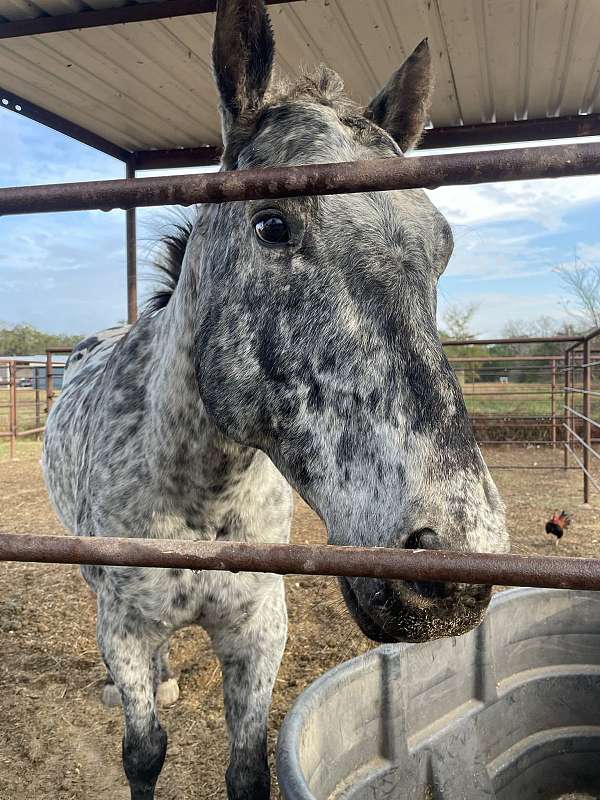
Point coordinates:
[(297, 348)]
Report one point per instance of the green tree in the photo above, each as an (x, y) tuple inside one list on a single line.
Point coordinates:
[(531, 371), (25, 340)]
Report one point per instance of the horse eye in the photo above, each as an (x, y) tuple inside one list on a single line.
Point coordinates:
[(272, 229)]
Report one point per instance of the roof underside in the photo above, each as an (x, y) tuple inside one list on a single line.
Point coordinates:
[(146, 85)]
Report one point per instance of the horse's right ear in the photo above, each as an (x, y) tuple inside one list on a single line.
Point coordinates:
[(243, 50)]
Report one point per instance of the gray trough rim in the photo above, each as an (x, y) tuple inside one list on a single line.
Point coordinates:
[(290, 775)]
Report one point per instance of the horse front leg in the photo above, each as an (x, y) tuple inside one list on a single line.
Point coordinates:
[(250, 653), (129, 646)]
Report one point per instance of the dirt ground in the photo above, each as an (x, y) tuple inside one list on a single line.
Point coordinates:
[(60, 743)]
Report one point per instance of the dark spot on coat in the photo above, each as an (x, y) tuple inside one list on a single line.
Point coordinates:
[(181, 599), (314, 400)]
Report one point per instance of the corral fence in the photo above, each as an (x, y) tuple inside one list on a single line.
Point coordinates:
[(27, 388), (522, 400), (559, 408), (374, 175)]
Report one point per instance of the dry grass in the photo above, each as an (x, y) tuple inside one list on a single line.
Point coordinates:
[(59, 743)]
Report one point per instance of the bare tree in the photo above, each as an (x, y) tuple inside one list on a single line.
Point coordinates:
[(582, 282), (458, 321), (457, 324)]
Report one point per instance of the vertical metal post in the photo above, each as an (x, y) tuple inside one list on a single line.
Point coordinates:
[(573, 403), (553, 403), (36, 385), (12, 383), (131, 241), (567, 400), (587, 413), (49, 381)]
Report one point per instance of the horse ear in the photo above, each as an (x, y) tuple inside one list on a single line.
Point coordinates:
[(243, 50), (402, 106)]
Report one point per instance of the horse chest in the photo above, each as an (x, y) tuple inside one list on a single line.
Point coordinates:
[(177, 598)]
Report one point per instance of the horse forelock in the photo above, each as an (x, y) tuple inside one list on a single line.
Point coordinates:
[(299, 111)]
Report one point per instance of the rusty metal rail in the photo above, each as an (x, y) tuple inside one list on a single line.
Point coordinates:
[(577, 390), (313, 179), (588, 477), (284, 559)]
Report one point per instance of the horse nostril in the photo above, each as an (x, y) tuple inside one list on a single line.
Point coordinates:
[(424, 539)]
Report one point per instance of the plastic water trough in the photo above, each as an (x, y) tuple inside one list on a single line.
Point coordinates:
[(510, 711)]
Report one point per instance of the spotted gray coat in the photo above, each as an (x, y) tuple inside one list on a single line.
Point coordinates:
[(310, 361)]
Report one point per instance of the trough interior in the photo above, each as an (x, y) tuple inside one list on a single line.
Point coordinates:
[(510, 711)]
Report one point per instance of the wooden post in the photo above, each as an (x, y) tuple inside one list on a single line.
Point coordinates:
[(131, 244), (12, 383), (587, 412)]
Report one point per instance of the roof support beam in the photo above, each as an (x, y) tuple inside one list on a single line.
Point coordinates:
[(456, 136), (526, 130), (177, 157), (11, 102), (382, 174), (138, 12)]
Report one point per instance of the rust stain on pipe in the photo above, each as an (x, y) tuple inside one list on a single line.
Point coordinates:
[(390, 564)]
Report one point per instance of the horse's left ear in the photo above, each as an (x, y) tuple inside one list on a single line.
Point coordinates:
[(402, 106), (243, 51)]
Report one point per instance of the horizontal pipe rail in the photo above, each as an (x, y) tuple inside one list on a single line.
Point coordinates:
[(490, 357), (581, 466), (518, 466), (581, 391), (508, 419), (582, 416), (582, 441), (514, 340), (30, 432), (502, 424), (591, 335), (283, 559), (314, 179), (501, 393), (523, 442)]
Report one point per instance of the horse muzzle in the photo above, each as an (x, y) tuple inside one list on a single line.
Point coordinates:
[(399, 611), (414, 611)]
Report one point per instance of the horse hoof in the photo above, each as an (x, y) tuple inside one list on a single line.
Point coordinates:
[(110, 696), (168, 692)]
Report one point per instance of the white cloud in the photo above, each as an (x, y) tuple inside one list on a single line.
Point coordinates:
[(495, 252), (496, 309), (543, 202), (589, 253)]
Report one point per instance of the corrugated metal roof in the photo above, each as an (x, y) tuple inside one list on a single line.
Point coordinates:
[(148, 84)]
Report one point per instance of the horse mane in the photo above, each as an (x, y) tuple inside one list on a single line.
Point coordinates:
[(168, 263)]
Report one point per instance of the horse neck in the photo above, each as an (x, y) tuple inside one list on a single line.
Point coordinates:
[(184, 442)]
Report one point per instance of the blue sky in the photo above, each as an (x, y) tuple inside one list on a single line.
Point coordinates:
[(66, 272)]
